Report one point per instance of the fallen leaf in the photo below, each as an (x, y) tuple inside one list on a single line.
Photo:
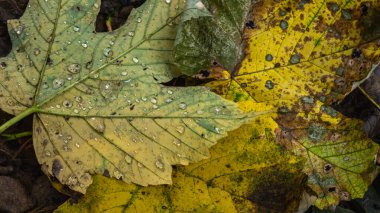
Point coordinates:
[(99, 104), (247, 172), (213, 38), (301, 57)]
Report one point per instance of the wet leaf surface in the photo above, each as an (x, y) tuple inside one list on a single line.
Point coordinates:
[(100, 105), (214, 38), (247, 172), (301, 57)]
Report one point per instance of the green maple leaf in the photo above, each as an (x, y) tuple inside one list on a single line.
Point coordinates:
[(98, 102)]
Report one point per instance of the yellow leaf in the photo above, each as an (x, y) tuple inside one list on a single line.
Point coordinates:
[(300, 58), (247, 172)]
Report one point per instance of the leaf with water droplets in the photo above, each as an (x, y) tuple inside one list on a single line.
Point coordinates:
[(302, 56), (245, 168), (101, 107), (211, 38)]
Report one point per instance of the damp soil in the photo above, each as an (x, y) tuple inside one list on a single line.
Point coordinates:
[(24, 188)]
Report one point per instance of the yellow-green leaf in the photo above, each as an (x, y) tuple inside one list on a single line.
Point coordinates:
[(99, 102), (247, 172)]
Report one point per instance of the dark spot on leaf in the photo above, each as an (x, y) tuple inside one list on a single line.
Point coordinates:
[(332, 189), (56, 168), (277, 65), (356, 53), (327, 168), (49, 61), (3, 65), (132, 107), (250, 24), (243, 85), (106, 173), (205, 73), (364, 9)]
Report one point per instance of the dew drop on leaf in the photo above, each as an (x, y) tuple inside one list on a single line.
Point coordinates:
[(182, 105), (74, 68), (76, 29), (58, 83), (159, 164)]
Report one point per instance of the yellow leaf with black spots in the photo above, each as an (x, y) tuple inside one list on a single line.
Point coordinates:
[(301, 57)]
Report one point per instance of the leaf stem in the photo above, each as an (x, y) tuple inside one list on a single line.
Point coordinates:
[(18, 118), (11, 137), (368, 97)]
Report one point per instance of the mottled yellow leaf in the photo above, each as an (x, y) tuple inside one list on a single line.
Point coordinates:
[(301, 57), (247, 172)]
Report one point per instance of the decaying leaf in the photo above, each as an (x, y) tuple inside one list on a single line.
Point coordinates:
[(247, 172), (302, 56), (100, 107), (214, 38)]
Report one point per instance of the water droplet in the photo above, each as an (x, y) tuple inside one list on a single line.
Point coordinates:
[(136, 60), (107, 52), (177, 142), (84, 45), (284, 25), (217, 130), (128, 159), (168, 1), (76, 111), (124, 73), (180, 129), (74, 68), (67, 103), (76, 29), (78, 99), (346, 158), (159, 164), (37, 51), (20, 68), (19, 29), (131, 33), (169, 100), (170, 92), (47, 153), (269, 57), (269, 84), (139, 165), (155, 106), (295, 59), (182, 105), (77, 145), (57, 83), (107, 86), (153, 100), (139, 19)]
